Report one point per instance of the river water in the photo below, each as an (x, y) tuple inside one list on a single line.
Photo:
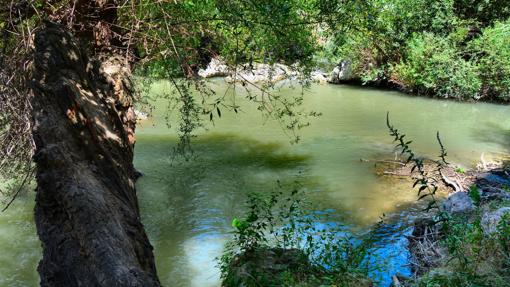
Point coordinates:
[(187, 206)]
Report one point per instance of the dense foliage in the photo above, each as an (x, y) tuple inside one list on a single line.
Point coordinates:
[(447, 48), (280, 241)]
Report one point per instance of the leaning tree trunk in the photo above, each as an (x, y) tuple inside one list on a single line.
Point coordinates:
[(86, 212)]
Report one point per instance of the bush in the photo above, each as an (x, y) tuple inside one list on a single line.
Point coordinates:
[(474, 258), (279, 242), (492, 52), (433, 65)]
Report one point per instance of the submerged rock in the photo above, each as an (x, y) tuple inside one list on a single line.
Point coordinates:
[(490, 220), (491, 193), (459, 202)]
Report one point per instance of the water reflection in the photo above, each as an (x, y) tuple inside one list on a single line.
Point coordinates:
[(187, 207), (189, 204)]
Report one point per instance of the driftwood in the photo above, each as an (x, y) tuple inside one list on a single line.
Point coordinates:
[(450, 183)]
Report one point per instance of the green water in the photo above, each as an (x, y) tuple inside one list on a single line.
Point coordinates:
[(187, 207)]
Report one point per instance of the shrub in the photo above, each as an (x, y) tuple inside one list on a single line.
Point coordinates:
[(492, 52), (433, 65), (279, 242)]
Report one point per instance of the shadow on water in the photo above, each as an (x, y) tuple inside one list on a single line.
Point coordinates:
[(187, 206)]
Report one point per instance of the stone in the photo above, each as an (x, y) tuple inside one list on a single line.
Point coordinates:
[(216, 68), (319, 76), (342, 73), (262, 73), (491, 219), (459, 202)]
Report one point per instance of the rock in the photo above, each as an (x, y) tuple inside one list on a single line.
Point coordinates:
[(491, 193), (216, 68), (342, 73), (262, 73), (261, 264), (319, 76), (494, 178), (459, 202), (490, 220)]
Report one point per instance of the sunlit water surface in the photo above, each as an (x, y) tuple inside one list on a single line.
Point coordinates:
[(187, 206)]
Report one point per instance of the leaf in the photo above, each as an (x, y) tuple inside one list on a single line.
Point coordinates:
[(430, 205), (219, 112)]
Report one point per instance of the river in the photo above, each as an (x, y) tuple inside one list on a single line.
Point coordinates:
[(187, 206)]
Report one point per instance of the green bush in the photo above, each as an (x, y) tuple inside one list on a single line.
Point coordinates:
[(279, 242), (433, 65), (474, 257), (492, 52)]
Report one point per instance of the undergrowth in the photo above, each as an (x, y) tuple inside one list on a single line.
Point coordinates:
[(474, 255), (280, 242)]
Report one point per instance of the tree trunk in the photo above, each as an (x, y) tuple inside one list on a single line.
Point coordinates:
[(86, 211)]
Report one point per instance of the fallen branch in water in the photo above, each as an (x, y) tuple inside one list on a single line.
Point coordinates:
[(451, 183)]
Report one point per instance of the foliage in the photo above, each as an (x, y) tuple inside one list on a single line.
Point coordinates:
[(187, 34), (426, 180), (474, 258), (433, 65), (447, 48), (159, 39), (492, 50), (282, 222), (485, 12), (474, 194)]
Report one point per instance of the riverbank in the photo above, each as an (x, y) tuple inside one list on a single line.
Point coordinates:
[(471, 242), (341, 74)]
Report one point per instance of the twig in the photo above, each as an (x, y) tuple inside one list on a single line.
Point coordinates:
[(20, 187)]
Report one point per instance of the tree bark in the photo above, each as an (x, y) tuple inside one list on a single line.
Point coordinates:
[(86, 211)]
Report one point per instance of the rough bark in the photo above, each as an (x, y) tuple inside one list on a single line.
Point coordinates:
[(86, 212)]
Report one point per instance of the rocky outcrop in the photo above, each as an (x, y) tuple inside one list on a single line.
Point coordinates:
[(216, 68), (257, 73), (263, 265), (319, 77), (86, 211), (342, 73)]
